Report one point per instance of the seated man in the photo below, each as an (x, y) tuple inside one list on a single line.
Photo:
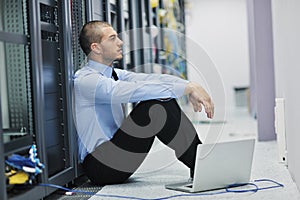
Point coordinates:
[(111, 145)]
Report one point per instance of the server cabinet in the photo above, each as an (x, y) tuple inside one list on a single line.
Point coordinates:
[(36, 83), (79, 18), (53, 37), (15, 76), (172, 46), (17, 102), (80, 11), (140, 25), (2, 167)]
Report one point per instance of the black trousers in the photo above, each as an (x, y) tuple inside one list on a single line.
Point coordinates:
[(116, 160)]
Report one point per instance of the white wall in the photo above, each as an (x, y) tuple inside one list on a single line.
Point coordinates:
[(286, 31), (220, 27)]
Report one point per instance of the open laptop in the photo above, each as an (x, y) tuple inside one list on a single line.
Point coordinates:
[(219, 165)]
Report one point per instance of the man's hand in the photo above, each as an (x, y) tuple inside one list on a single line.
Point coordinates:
[(199, 97)]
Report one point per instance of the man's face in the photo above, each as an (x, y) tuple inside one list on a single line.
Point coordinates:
[(111, 45)]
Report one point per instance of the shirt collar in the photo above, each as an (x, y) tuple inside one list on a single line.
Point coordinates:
[(103, 69)]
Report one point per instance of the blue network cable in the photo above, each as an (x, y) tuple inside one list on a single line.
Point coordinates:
[(228, 189)]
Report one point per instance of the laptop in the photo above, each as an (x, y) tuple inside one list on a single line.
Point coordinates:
[(219, 165)]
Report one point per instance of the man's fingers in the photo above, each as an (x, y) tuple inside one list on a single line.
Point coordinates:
[(209, 109), (198, 102), (197, 107), (212, 110)]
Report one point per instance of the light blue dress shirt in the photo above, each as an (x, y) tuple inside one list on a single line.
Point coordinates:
[(98, 100)]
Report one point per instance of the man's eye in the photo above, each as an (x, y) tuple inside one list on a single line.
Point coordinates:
[(112, 38)]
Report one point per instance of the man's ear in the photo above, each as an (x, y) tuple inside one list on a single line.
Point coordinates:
[(95, 48)]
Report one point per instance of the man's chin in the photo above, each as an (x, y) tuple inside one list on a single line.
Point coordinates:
[(119, 57)]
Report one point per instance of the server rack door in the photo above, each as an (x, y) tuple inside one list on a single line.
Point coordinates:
[(56, 90)]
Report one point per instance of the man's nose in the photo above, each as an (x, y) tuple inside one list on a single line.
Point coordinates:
[(120, 42)]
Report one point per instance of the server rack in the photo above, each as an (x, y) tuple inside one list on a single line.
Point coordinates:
[(172, 33), (53, 25), (3, 193), (79, 17), (39, 79), (17, 123)]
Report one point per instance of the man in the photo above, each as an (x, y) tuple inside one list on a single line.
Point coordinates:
[(111, 145)]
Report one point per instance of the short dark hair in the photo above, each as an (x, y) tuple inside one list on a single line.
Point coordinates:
[(91, 32)]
